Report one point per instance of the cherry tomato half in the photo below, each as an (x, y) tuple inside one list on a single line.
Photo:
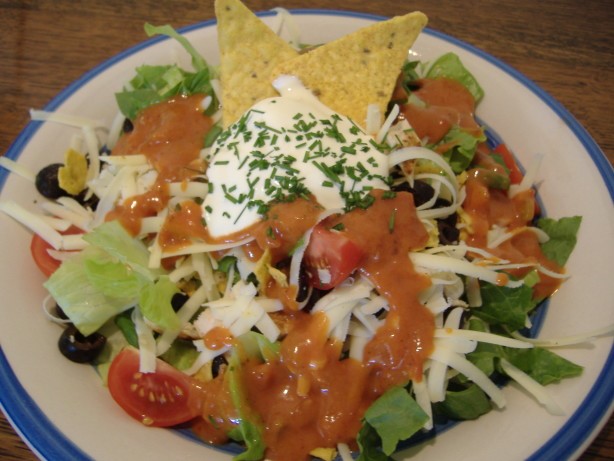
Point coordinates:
[(510, 163), (330, 257), (39, 249), (43, 260), (164, 398)]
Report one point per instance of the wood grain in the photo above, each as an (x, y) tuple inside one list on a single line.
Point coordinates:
[(565, 46)]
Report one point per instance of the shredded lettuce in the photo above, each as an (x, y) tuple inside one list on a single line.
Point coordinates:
[(182, 354), (257, 345), (465, 404), (563, 237), (505, 307), (153, 84), (112, 278), (85, 305), (249, 429), (104, 279), (450, 66), (155, 303), (198, 61), (126, 326), (120, 245), (395, 416), (462, 147), (542, 365)]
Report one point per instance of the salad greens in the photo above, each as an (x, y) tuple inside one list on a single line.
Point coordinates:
[(108, 277), (449, 65), (103, 284), (117, 276), (463, 147), (459, 145), (563, 237), (154, 84), (395, 417), (506, 307)]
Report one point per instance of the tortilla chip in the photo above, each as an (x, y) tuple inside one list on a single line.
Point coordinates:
[(352, 72), (249, 50)]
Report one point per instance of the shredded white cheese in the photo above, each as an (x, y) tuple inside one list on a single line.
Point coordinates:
[(147, 343), (17, 168), (439, 262), (533, 387), (33, 222)]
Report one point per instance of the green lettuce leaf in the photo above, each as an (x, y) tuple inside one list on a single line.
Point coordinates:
[(155, 303), (249, 429), (130, 103), (503, 306), (395, 416), (450, 66), (115, 343), (542, 365), (464, 145), (182, 354), (120, 245), (563, 237), (104, 279), (126, 326), (153, 84), (369, 445), (465, 404), (250, 434), (85, 305), (198, 61), (112, 278), (257, 345), (485, 355)]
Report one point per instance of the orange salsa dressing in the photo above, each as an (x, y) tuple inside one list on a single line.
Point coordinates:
[(488, 207), (387, 231), (310, 397), (170, 135), (447, 103)]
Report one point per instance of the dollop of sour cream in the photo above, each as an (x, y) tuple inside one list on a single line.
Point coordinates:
[(287, 147)]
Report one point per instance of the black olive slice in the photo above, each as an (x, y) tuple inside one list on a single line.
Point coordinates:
[(78, 348)]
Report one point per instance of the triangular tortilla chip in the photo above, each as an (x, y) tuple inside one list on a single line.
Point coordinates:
[(358, 69), (249, 50)]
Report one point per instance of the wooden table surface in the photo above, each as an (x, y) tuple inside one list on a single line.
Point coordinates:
[(565, 46)]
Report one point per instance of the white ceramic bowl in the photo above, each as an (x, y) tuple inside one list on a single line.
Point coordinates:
[(62, 410)]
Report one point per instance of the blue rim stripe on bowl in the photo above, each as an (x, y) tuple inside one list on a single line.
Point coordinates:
[(41, 435), (49, 443)]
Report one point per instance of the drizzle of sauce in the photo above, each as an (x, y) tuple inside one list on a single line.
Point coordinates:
[(170, 134), (303, 399), (182, 226), (403, 343), (284, 225), (488, 207), (134, 209), (447, 103), (218, 338)]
